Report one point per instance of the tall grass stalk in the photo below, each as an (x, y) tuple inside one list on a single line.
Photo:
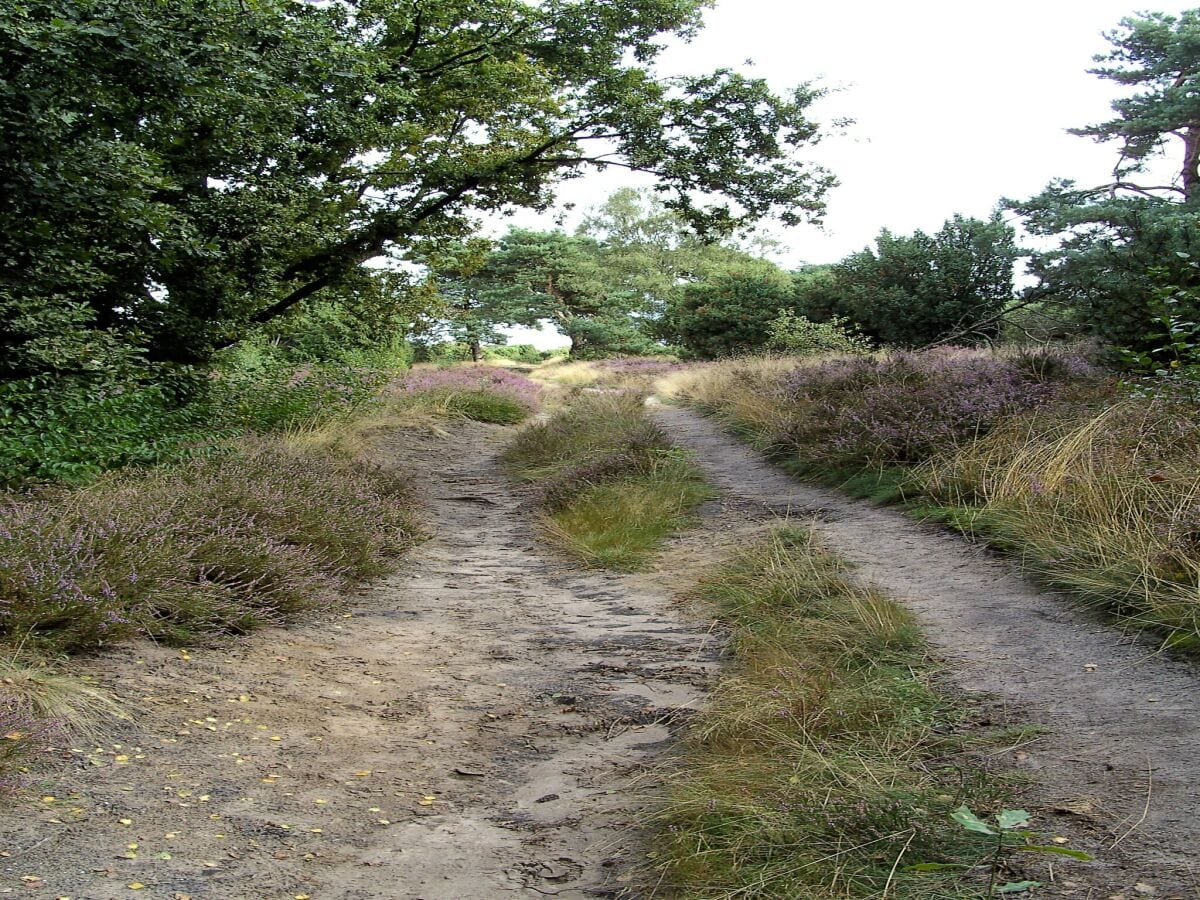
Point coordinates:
[(1105, 503)]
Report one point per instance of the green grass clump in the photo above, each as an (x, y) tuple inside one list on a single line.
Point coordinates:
[(485, 406), (609, 483), (619, 524), (825, 766)]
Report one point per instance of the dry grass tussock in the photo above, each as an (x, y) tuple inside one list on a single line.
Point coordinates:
[(1104, 502), (32, 688), (567, 373), (825, 766), (610, 486)]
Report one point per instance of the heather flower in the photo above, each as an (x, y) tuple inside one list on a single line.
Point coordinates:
[(492, 379), (907, 406)]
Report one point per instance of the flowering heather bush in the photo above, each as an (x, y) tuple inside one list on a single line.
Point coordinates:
[(52, 580), (220, 544), (471, 380), (906, 406)]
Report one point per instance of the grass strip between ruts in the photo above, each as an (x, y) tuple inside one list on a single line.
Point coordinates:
[(828, 762)]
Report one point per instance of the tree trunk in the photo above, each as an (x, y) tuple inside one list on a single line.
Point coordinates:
[(1191, 164)]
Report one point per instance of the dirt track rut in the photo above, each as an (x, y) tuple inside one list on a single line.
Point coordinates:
[(1122, 753), (470, 732)]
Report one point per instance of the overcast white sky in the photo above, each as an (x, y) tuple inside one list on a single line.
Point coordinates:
[(957, 103)]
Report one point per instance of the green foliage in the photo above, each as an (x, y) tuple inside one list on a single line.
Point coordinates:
[(521, 353), (1125, 244), (1008, 829), (917, 290), (1174, 339), (824, 765), (794, 334), (263, 393), (730, 311), (72, 429), (1114, 256), (180, 173), (69, 429), (441, 353)]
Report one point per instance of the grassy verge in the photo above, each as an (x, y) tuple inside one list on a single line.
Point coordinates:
[(1040, 454), (1103, 503), (827, 765), (256, 529), (611, 487)]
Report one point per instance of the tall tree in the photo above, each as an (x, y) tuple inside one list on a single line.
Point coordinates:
[(537, 276), (1160, 55), (471, 307), (172, 174), (729, 309), (1122, 242)]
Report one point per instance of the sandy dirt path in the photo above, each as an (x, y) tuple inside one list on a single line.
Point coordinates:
[(1119, 767), (467, 728)]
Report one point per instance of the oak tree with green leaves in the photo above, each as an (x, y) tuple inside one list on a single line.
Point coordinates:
[(174, 174)]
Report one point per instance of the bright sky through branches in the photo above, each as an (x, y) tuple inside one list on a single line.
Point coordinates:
[(956, 103)]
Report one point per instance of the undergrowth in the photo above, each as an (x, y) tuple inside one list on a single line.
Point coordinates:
[(218, 544), (827, 764), (610, 486), (240, 529), (1039, 453)]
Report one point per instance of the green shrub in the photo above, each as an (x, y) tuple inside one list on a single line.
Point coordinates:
[(269, 395), (72, 429), (522, 353), (796, 335)]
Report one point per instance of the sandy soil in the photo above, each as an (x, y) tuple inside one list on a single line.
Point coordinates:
[(469, 728), (1118, 769), (477, 725)]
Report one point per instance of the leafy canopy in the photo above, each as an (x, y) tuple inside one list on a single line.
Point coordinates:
[(918, 289), (177, 173)]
